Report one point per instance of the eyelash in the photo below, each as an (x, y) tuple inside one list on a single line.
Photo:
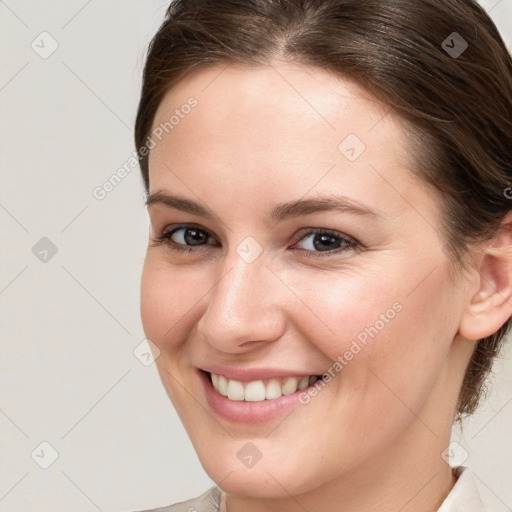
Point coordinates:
[(350, 244)]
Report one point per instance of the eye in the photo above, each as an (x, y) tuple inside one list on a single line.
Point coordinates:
[(184, 238), (318, 241), (315, 242), (189, 236)]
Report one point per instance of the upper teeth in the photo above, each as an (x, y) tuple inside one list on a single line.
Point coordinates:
[(258, 390)]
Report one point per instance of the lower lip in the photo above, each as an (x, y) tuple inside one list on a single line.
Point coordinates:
[(241, 411)]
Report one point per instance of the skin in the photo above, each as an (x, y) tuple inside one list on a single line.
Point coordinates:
[(372, 439)]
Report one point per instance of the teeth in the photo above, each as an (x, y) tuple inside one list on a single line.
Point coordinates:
[(222, 385), (235, 390), (257, 390), (273, 389), (304, 382), (290, 386)]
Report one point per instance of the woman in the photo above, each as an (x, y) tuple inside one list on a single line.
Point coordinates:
[(329, 276)]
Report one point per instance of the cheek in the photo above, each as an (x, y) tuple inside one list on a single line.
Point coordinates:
[(365, 306), (168, 298), (344, 311), (384, 338)]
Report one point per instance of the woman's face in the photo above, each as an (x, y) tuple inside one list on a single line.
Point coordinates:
[(306, 248)]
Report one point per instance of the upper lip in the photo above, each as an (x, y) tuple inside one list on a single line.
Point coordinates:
[(251, 374)]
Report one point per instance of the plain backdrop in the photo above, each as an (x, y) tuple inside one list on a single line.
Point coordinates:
[(85, 423)]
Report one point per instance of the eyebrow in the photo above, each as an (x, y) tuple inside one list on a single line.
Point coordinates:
[(280, 212)]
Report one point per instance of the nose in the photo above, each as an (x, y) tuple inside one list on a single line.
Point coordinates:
[(244, 309)]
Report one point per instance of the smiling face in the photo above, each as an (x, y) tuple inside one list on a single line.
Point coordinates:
[(305, 247)]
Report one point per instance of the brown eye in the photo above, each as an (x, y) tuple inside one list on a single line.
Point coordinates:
[(319, 243), (328, 242), (189, 236)]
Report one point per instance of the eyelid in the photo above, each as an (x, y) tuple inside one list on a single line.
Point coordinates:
[(185, 225), (302, 233)]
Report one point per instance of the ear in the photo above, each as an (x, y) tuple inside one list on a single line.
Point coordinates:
[(490, 306)]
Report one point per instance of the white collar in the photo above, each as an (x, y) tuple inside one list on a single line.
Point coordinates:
[(464, 497)]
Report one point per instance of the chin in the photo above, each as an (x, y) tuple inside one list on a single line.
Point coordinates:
[(274, 477), (256, 483)]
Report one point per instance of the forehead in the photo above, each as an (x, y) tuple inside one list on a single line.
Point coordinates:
[(316, 101), (285, 128)]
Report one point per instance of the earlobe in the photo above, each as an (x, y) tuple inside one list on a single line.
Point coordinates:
[(490, 306)]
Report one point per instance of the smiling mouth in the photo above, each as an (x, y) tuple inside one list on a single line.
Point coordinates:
[(260, 390)]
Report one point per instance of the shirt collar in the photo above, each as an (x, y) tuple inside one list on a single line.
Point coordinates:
[(464, 496)]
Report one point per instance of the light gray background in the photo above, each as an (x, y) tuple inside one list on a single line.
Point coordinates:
[(69, 325)]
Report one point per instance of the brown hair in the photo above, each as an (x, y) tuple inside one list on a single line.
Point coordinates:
[(458, 105)]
